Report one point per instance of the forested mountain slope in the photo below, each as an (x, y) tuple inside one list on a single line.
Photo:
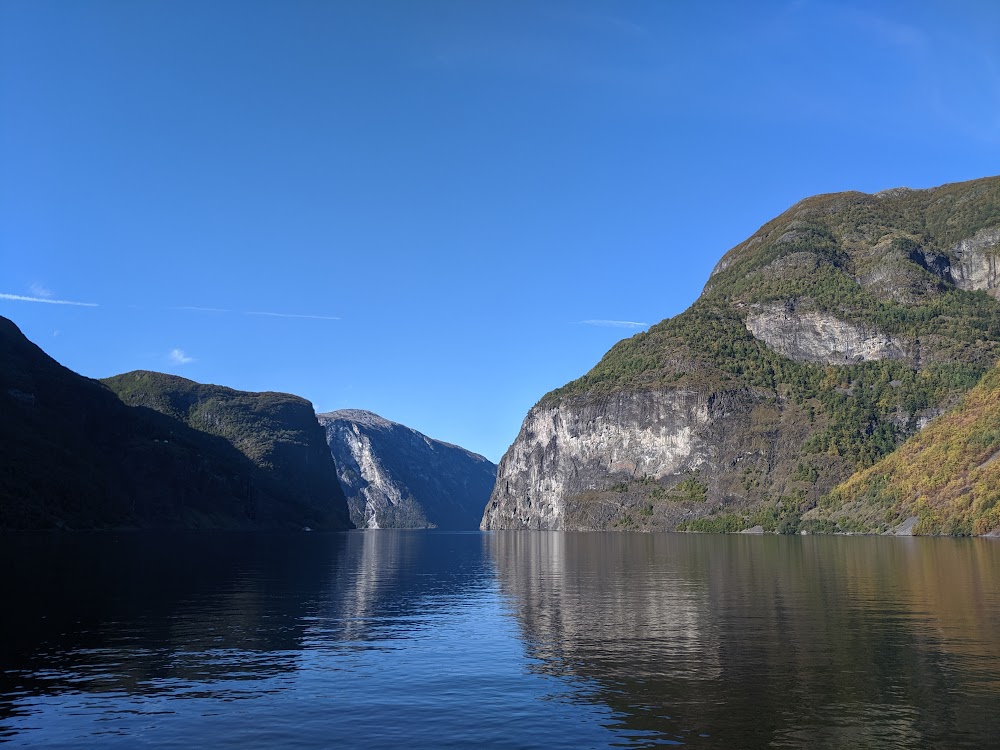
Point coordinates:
[(817, 347)]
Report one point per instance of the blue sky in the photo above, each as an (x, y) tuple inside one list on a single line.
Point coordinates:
[(438, 210)]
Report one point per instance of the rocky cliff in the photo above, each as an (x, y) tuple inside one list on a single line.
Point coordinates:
[(396, 477), (819, 345), (74, 454)]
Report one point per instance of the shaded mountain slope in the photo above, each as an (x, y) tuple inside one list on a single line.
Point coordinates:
[(291, 471), (396, 477), (817, 346), (73, 455)]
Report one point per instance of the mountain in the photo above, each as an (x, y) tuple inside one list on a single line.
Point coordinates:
[(74, 455), (291, 471), (396, 477), (818, 346), (945, 479)]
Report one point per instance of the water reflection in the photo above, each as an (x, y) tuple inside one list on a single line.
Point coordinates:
[(193, 606), (391, 582), (429, 639), (378, 638), (760, 642), (141, 613)]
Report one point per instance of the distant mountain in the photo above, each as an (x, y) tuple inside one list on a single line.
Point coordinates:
[(75, 455), (818, 345), (943, 480), (396, 477)]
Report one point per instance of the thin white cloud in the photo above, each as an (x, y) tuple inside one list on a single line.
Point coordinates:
[(38, 290), (22, 298), (292, 315), (600, 22), (615, 323), (49, 301), (884, 29), (178, 357)]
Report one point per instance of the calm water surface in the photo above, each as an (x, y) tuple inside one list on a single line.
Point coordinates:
[(512, 640)]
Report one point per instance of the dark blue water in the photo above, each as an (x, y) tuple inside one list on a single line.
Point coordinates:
[(510, 640)]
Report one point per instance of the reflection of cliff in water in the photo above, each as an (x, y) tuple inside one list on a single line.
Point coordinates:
[(223, 614), (140, 612), (831, 642), (584, 602), (394, 581)]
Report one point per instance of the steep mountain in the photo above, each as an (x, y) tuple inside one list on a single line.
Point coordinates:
[(945, 479), (396, 477), (291, 472), (74, 455), (818, 345)]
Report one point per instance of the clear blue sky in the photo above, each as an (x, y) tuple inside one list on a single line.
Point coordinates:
[(452, 188)]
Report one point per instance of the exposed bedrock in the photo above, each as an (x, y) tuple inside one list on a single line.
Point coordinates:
[(812, 336)]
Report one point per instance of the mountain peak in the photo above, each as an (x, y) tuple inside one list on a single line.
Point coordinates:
[(360, 416)]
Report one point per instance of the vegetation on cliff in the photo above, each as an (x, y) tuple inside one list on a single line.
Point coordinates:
[(820, 254), (278, 433), (946, 476)]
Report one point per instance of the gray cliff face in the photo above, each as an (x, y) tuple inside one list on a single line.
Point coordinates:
[(906, 276), (640, 460), (813, 336), (974, 264), (396, 477), (567, 451)]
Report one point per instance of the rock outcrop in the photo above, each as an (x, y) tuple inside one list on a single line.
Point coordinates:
[(578, 449), (975, 262), (814, 336), (817, 347), (396, 477)]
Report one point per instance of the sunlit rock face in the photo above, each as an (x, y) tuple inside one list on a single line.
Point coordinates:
[(565, 452), (812, 336), (639, 461), (396, 477), (974, 265)]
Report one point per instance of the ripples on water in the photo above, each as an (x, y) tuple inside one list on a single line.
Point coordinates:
[(426, 639)]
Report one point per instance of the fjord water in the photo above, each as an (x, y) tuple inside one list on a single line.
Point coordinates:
[(513, 639)]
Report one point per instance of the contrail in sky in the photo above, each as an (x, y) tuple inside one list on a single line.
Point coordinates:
[(45, 300), (615, 323), (293, 315), (49, 301)]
